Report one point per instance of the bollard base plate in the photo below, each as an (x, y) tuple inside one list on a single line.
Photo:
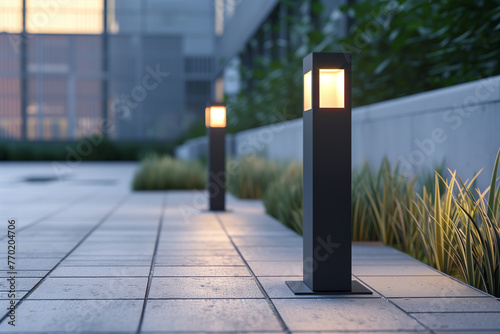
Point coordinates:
[(300, 288)]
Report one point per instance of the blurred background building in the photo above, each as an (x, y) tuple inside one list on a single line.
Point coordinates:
[(67, 65), (246, 30)]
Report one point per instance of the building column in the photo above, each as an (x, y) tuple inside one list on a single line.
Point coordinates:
[(104, 114), (24, 78)]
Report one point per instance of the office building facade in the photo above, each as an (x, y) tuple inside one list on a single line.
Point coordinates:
[(135, 70)]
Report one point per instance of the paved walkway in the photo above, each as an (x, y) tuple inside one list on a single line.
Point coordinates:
[(94, 257)]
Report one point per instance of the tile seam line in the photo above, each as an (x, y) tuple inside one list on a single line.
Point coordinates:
[(153, 260), (455, 312), (55, 212), (263, 291), (96, 226), (397, 306)]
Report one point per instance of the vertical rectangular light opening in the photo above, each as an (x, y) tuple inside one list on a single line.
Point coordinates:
[(217, 117), (331, 88), (308, 91), (207, 117)]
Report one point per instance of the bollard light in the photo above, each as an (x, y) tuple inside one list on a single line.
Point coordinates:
[(215, 121), (215, 117), (327, 177)]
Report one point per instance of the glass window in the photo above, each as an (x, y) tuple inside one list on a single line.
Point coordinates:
[(64, 17), (11, 16)]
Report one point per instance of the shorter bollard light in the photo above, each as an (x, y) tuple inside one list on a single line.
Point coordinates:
[(215, 121)]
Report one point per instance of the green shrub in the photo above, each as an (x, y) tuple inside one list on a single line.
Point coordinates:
[(164, 173), (283, 198), (90, 150), (250, 176), (4, 152)]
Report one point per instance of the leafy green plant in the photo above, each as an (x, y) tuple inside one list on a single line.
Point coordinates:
[(250, 176), (399, 48), (164, 173), (283, 198), (406, 47), (270, 83), (84, 149)]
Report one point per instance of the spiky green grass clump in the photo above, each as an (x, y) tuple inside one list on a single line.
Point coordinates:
[(283, 198), (443, 221), (250, 176), (165, 173)]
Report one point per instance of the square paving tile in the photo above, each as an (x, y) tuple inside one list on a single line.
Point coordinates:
[(91, 288), (100, 271), (25, 273), (73, 316), (36, 264), (20, 283), (271, 253), (342, 314), (202, 271), (483, 304), (386, 270), (276, 268), (115, 248), (166, 246), (204, 287), (37, 247), (385, 262), (370, 249), (268, 241), (105, 263), (198, 252), (276, 288), (199, 261), (191, 238), (4, 295), (209, 315), (419, 286), (255, 228), (460, 321)]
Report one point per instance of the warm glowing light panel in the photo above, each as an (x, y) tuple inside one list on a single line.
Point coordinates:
[(331, 88), (307, 91), (217, 117), (207, 117)]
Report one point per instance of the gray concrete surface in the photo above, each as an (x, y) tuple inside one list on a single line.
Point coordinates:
[(92, 256)]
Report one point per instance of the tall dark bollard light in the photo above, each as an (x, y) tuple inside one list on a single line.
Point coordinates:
[(327, 177), (215, 121)]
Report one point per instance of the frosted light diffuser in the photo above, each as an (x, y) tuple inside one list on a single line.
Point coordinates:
[(331, 88), (307, 91), (217, 117)]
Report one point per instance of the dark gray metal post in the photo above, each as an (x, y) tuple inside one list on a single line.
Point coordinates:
[(327, 187), (217, 168), (24, 77)]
